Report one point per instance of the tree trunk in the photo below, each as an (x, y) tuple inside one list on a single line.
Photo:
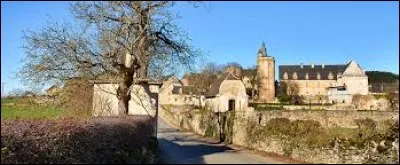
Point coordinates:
[(123, 95), (143, 71), (123, 98), (123, 106)]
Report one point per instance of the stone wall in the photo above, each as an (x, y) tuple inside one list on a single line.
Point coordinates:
[(338, 153), (105, 102), (144, 100), (326, 118)]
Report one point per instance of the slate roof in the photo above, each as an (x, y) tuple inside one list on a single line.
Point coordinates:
[(189, 90), (214, 89), (262, 51), (312, 72)]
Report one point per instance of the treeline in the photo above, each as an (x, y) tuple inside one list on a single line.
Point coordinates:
[(381, 77)]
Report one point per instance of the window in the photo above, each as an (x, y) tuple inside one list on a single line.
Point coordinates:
[(295, 75), (285, 76), (330, 76)]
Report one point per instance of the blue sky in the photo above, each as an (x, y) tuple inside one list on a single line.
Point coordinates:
[(294, 32)]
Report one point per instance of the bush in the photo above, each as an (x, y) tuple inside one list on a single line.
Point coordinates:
[(77, 98), (366, 128), (391, 129), (108, 140), (305, 127), (278, 126)]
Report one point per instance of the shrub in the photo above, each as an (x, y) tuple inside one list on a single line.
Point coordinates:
[(77, 98), (109, 140), (305, 127), (278, 126), (391, 129), (366, 128), (309, 133)]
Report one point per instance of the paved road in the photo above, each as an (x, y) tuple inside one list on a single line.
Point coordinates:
[(179, 147)]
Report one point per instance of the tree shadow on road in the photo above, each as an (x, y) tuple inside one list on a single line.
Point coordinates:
[(190, 154)]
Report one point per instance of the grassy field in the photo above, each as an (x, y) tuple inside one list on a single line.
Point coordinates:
[(24, 108)]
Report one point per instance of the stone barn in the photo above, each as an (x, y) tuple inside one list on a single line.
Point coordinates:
[(227, 93), (144, 98), (173, 92)]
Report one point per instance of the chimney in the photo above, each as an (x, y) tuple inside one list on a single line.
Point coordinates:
[(323, 66), (301, 65), (312, 65)]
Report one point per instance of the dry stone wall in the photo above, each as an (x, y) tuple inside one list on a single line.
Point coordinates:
[(339, 152)]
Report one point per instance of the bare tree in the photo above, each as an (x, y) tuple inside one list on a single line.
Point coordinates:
[(292, 91), (203, 80), (235, 68), (212, 68), (113, 37), (253, 81)]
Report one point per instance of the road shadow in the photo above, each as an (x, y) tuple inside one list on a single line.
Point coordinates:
[(175, 153)]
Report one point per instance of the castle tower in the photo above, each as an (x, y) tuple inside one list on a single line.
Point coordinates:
[(266, 75)]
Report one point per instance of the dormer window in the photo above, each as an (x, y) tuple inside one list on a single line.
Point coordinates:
[(285, 76), (339, 74), (330, 76), (318, 76), (306, 76), (295, 76)]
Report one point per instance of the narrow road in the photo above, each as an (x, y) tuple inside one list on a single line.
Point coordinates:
[(180, 147)]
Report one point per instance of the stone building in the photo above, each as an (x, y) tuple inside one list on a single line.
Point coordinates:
[(334, 81), (227, 93), (174, 92), (266, 75), (260, 82), (144, 98)]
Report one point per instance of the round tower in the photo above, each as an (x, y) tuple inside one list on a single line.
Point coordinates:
[(266, 75)]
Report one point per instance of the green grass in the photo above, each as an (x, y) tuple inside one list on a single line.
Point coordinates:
[(13, 108), (9, 100)]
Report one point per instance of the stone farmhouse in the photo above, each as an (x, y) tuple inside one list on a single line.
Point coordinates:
[(227, 93)]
